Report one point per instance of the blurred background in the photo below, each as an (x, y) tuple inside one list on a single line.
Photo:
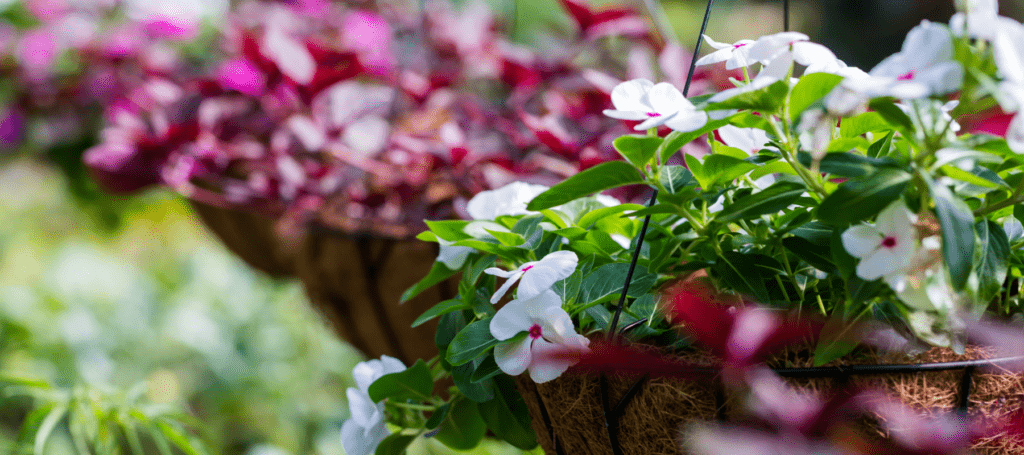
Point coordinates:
[(130, 303)]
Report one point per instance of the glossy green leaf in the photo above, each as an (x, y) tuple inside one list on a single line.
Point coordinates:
[(414, 383), (604, 176), (767, 99), (438, 273), (440, 309), (747, 273), (450, 230), (607, 280), (675, 178), (858, 200), (462, 428), (478, 391), (638, 150), (507, 416), (770, 200), (470, 342), (957, 222), (882, 146), (819, 256), (863, 123), (437, 416), (892, 114), (676, 140), (991, 264), (808, 90), (847, 164)]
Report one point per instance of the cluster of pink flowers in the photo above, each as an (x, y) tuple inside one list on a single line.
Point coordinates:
[(64, 60), (376, 119)]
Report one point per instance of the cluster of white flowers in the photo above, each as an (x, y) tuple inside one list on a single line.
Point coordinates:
[(365, 429)]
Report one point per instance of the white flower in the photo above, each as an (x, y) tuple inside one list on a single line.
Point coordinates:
[(734, 55), (549, 328), (653, 105), (453, 257), (768, 75), (923, 67), (537, 276), (1008, 50), (365, 429), (980, 19), (768, 48), (750, 140), (1015, 134), (886, 248), (510, 199)]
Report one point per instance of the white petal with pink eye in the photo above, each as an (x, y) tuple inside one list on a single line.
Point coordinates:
[(557, 323), (861, 240), (665, 100), (510, 320), (514, 358), (750, 140)]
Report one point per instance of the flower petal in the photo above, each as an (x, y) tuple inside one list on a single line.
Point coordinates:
[(510, 320), (545, 272), (1015, 134), (629, 95), (861, 240), (626, 115), (505, 286), (878, 264), (687, 121), (513, 358), (549, 367)]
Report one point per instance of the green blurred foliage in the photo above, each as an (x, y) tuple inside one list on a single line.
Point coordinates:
[(159, 303)]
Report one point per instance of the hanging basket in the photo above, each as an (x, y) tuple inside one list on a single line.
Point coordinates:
[(355, 281), (568, 416)]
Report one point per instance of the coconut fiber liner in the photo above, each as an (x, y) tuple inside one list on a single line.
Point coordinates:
[(571, 404)]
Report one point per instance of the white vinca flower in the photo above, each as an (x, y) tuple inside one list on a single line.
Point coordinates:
[(886, 248), (797, 45), (548, 328), (510, 199), (734, 55), (923, 67), (365, 429), (770, 74), (537, 276), (654, 105)]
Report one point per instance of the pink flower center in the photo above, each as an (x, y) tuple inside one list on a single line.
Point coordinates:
[(889, 242), (535, 331), (737, 46), (527, 268), (653, 114), (906, 77)]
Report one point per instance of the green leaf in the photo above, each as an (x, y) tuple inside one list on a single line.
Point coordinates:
[(882, 146), (572, 232), (46, 427), (470, 342), (440, 309), (810, 89), (768, 99), (414, 383), (177, 437), (863, 123), (438, 273), (957, 222), (607, 280), (747, 273), (612, 174), (479, 391), (992, 264), (837, 339), (462, 428), (450, 230), (675, 178), (676, 140), (638, 150), (819, 256), (972, 178), (847, 164), (892, 114), (770, 200), (394, 444), (447, 327), (529, 229), (858, 200), (587, 221), (437, 416), (487, 369), (507, 238), (507, 416), (717, 168)]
